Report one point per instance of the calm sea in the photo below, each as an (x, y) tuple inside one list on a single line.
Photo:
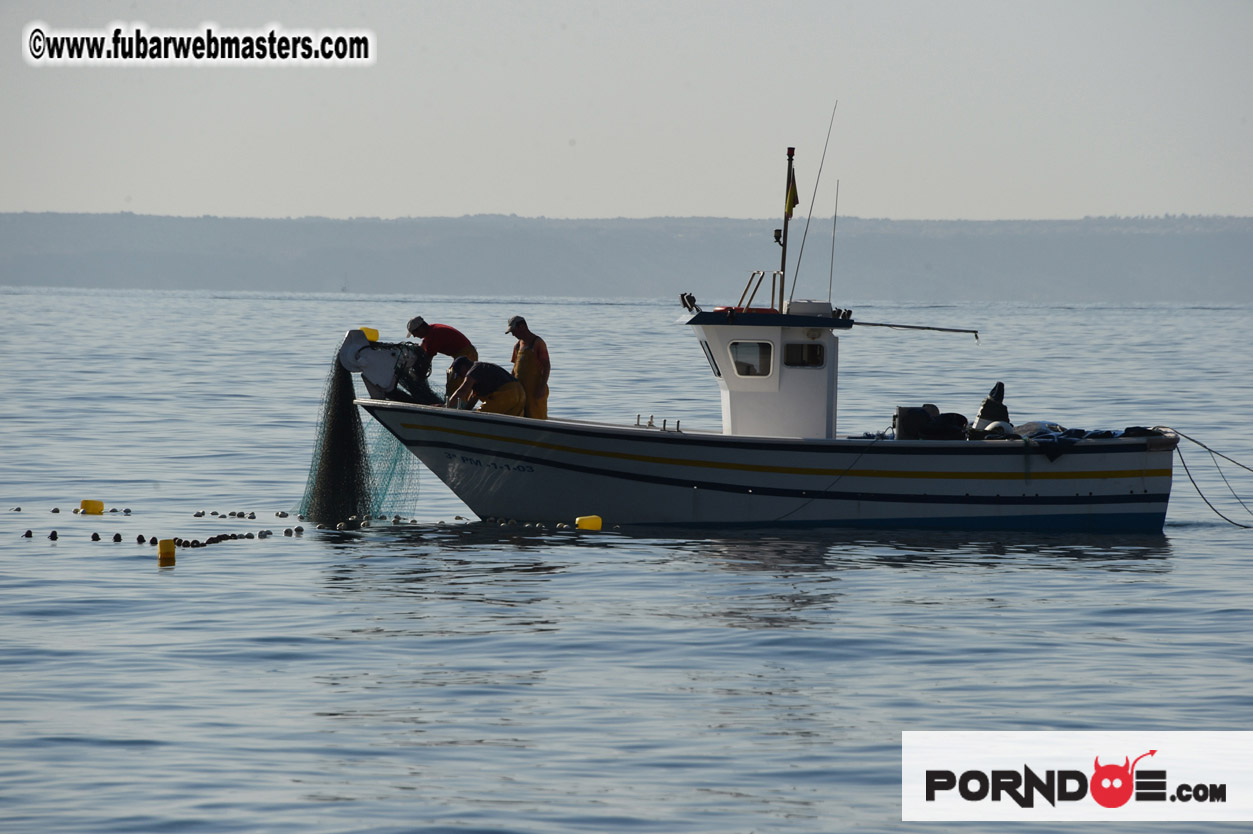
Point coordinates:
[(442, 675)]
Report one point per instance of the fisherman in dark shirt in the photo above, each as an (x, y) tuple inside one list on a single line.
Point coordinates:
[(498, 390)]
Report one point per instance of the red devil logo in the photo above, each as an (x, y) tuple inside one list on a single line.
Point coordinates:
[(1111, 785)]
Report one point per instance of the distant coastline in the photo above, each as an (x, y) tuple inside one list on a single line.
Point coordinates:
[(1143, 259)]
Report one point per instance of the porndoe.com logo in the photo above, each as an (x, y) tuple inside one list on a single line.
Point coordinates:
[(1110, 786), (1041, 775)]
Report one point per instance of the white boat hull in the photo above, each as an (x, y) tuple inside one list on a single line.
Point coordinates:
[(557, 470)]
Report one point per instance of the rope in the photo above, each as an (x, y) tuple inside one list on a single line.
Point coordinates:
[(1179, 452), (1208, 449), (1228, 483), (847, 469)]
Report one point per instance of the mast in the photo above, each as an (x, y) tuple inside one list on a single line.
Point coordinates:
[(789, 202)]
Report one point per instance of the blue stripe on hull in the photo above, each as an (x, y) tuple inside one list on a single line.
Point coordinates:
[(1116, 523)]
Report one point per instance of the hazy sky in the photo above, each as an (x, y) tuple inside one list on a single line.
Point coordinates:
[(970, 110)]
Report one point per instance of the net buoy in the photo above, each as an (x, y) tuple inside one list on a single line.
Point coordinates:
[(165, 553)]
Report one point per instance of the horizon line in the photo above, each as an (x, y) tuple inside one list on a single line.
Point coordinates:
[(796, 218)]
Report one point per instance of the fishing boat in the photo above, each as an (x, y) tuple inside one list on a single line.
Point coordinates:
[(778, 460)]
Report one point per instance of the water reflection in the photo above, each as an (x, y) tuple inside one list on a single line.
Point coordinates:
[(519, 582), (508, 565), (465, 580), (792, 551)]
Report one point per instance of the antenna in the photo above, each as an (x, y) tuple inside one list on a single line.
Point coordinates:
[(835, 218), (817, 179)]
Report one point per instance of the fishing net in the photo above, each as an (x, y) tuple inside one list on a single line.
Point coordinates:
[(359, 472), (393, 473), (413, 368)]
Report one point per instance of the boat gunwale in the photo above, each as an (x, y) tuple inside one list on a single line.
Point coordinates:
[(709, 439)]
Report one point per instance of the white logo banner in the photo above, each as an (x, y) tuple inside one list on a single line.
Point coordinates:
[(1120, 776)]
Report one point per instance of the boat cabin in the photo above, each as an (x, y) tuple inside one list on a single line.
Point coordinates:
[(777, 371)]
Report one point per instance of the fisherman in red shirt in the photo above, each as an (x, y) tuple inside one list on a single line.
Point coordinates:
[(440, 338)]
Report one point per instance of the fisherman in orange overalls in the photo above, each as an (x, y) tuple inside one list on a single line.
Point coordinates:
[(531, 367), (499, 392)]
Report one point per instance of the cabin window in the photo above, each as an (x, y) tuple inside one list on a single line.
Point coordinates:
[(804, 355), (709, 354), (751, 358)]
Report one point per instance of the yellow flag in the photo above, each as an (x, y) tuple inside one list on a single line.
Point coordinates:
[(792, 198)]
